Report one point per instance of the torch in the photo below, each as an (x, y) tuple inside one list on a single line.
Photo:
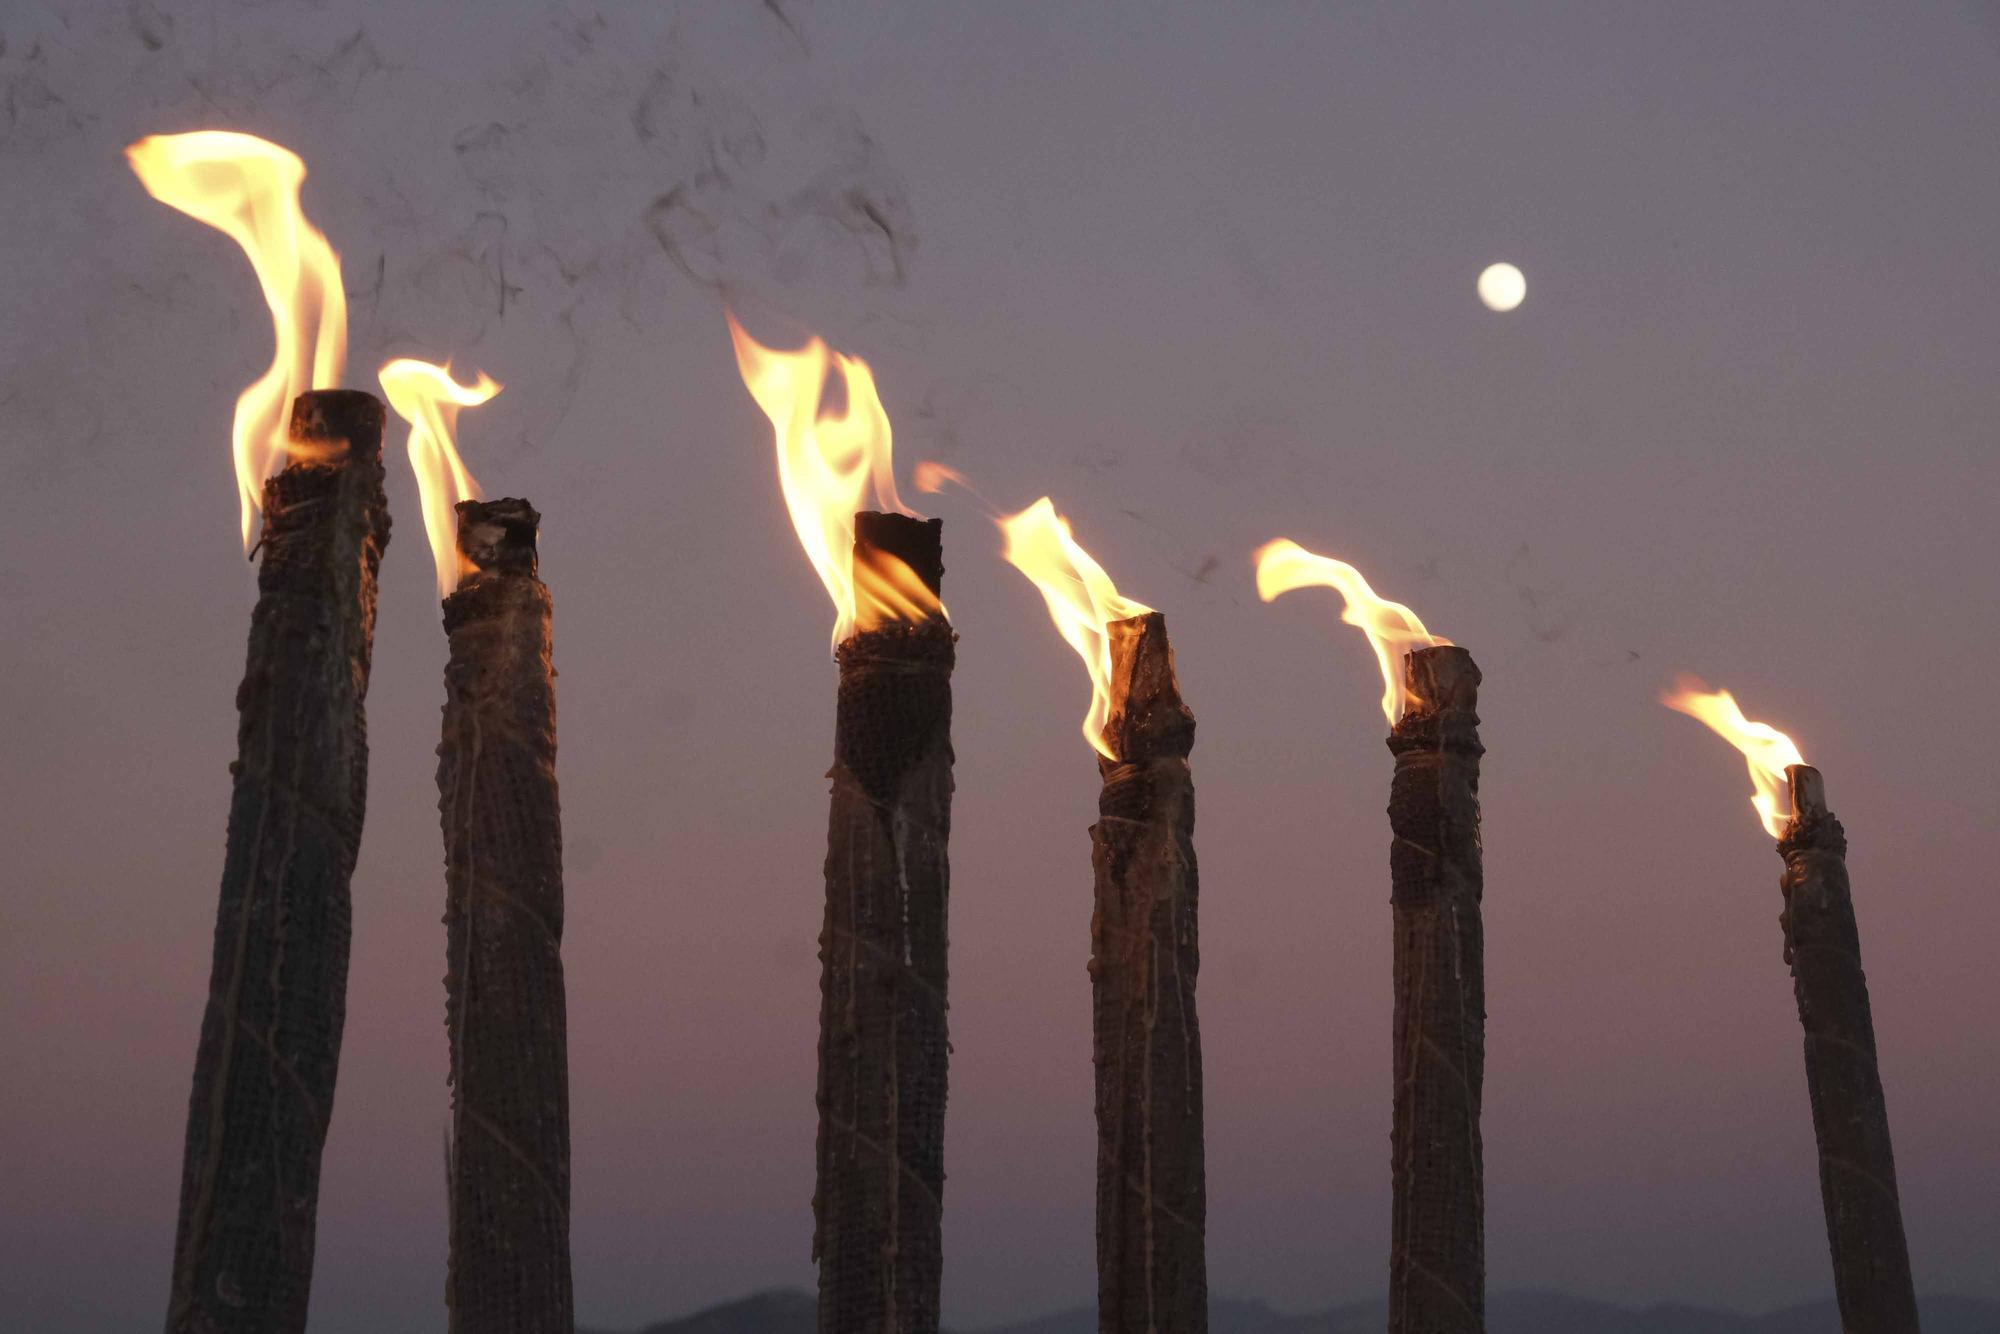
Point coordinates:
[(1152, 1201), (269, 1050), (879, 1199), (1857, 1169), (508, 1161), (1437, 1260)]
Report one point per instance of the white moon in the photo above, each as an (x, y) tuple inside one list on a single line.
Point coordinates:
[(1502, 287)]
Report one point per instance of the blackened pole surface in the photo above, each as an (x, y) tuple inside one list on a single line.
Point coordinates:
[(1152, 1200), (1857, 1170), (277, 994), (509, 1267), (1437, 1263), (878, 1206)]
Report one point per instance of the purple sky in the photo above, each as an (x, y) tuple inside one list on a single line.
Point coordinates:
[(1205, 275)]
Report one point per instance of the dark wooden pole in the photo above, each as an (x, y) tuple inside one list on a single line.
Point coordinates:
[(1857, 1170), (1152, 1199), (878, 1207), (277, 994), (509, 1268), (1437, 1262)]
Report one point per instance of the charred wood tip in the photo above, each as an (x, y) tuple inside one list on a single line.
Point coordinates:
[(1440, 677), (1442, 685), (499, 536), (1149, 720), (1812, 828), (918, 543), (501, 577), (1808, 790), (334, 448), (330, 424)]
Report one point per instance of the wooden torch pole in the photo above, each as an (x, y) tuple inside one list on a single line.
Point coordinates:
[(277, 995), (1857, 1170), (509, 1266), (1437, 1263), (878, 1207), (1152, 1200)]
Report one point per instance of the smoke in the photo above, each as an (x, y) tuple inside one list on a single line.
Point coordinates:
[(505, 195)]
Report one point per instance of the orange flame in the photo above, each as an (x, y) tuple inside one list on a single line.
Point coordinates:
[(1392, 628), (249, 188), (428, 399), (930, 477), (1767, 750), (1081, 597), (829, 463)]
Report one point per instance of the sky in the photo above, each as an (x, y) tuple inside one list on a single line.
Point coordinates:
[(1205, 275)]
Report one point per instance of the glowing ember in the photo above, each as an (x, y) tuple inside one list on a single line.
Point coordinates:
[(429, 399), (1081, 597), (1767, 750), (829, 464), (1392, 628), (249, 188)]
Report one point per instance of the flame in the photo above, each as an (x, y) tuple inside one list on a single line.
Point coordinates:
[(249, 188), (1392, 628), (1081, 597), (1767, 750), (828, 464), (429, 399), (930, 477), (885, 590)]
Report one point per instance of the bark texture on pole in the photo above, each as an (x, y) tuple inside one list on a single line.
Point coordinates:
[(508, 1177), (1857, 1170), (878, 1206), (1152, 1200), (1437, 1260), (277, 995)]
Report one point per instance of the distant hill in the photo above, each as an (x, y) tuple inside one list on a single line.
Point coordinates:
[(779, 1311), (788, 1311)]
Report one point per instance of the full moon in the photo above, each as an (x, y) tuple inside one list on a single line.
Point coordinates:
[(1502, 287)]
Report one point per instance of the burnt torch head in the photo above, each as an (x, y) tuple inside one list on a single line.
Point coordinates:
[(917, 543), (1808, 791), (897, 569), (329, 425), (1441, 677), (1441, 689), (333, 443), (1813, 828), (497, 537), (1148, 720)]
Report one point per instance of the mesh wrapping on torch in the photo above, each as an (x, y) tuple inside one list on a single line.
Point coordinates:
[(1152, 1200), (1437, 1263), (1857, 1170), (508, 1164), (270, 1036), (878, 1205)]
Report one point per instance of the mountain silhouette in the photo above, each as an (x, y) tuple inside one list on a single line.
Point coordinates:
[(788, 1311)]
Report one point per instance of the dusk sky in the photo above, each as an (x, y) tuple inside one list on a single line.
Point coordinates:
[(1205, 275)]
